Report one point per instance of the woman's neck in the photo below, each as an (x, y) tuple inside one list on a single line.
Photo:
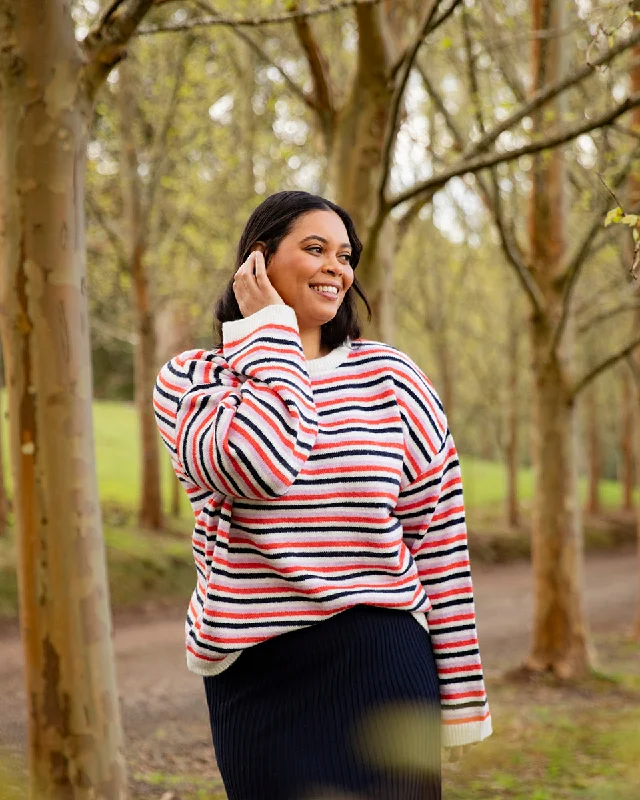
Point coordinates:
[(311, 344)]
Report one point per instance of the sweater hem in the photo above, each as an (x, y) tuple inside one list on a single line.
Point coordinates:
[(210, 668), (466, 733)]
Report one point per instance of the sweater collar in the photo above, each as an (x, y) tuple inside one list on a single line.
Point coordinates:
[(319, 366)]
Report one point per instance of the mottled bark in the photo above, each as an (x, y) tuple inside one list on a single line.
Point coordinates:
[(559, 640), (145, 359), (75, 742)]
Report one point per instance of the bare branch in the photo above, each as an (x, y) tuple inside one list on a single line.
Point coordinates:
[(491, 159), (501, 42), (513, 253), (635, 373), (253, 22), (571, 272), (396, 100), (472, 74), (160, 143), (323, 100), (112, 235), (434, 25), (108, 331), (627, 131), (605, 315), (106, 41), (548, 93), (262, 54), (440, 106), (404, 223), (491, 202), (602, 367)]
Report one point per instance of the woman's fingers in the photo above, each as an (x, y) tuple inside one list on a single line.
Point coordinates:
[(259, 268), (252, 287)]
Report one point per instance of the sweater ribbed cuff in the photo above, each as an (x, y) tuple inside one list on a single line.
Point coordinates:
[(277, 314), (466, 733)]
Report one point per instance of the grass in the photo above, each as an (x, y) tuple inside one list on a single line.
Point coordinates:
[(142, 566), (550, 742), (565, 746), (118, 456)]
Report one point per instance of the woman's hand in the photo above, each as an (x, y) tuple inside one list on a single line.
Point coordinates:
[(252, 287), (456, 753)]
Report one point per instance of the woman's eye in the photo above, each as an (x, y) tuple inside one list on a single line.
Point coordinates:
[(346, 257), (314, 249)]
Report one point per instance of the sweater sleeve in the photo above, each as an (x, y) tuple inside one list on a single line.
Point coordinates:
[(243, 422), (431, 509)]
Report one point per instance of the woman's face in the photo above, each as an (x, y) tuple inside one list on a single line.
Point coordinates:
[(316, 252)]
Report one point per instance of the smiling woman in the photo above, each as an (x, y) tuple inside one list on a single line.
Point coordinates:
[(304, 239), (333, 597)]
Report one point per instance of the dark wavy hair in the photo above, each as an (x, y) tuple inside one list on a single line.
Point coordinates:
[(270, 222)]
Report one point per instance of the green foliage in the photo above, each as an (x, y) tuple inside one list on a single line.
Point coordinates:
[(555, 749), (142, 568)]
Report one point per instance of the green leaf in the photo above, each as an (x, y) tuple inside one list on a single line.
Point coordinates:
[(615, 215), (636, 234), (446, 43), (630, 219)]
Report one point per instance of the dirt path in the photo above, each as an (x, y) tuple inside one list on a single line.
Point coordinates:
[(159, 694)]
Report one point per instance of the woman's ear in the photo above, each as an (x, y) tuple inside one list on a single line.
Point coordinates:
[(260, 247)]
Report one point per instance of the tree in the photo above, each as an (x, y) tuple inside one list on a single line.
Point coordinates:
[(4, 497), (594, 451), (626, 476), (138, 206), (48, 83), (512, 443)]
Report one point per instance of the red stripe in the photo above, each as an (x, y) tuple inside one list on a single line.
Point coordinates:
[(464, 720), (235, 343), (324, 544), (453, 645)]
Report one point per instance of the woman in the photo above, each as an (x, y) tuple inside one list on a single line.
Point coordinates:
[(333, 611)]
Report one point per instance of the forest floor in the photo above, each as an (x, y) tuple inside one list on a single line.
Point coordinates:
[(549, 743)]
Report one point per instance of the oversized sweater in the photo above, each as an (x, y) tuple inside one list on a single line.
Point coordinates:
[(317, 485)]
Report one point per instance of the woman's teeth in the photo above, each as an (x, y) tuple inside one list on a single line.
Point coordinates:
[(326, 289)]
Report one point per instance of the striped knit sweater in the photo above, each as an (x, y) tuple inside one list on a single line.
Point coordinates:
[(318, 485)]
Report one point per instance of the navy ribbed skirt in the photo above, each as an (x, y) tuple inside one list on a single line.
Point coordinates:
[(346, 708)]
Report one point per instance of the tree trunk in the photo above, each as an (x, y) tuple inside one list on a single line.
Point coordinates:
[(559, 641), (594, 453), (634, 200), (445, 369), (174, 334), (176, 495), (145, 366), (4, 497), (355, 162), (635, 629), (627, 477), (75, 740), (513, 418)]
